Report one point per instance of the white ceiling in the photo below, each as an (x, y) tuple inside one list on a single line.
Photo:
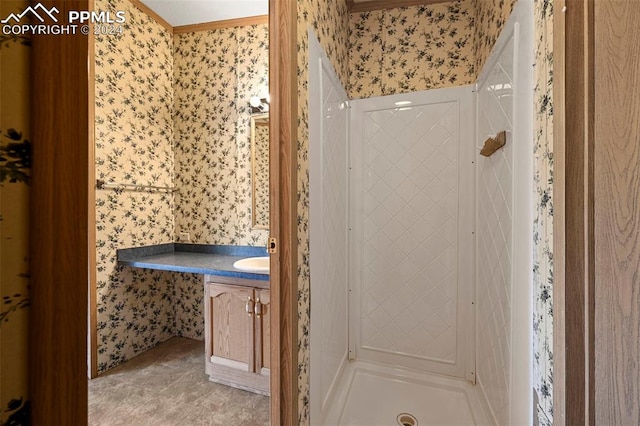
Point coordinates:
[(188, 12)]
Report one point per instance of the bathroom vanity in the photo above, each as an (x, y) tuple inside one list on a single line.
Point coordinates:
[(237, 333), (236, 306)]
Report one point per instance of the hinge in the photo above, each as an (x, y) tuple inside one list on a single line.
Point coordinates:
[(273, 246)]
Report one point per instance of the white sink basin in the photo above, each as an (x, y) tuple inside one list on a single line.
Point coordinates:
[(253, 264)]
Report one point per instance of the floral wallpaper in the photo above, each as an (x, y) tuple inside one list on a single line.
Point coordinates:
[(490, 17), (215, 74), (543, 219), (187, 299), (330, 22), (261, 170), (170, 111), (253, 79), (134, 144), (15, 164), (410, 49)]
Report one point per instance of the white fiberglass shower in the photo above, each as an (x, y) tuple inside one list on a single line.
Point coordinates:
[(411, 238), (421, 248)]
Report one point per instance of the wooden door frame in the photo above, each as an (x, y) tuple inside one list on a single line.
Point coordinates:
[(283, 210), (573, 227), (60, 212), (59, 223)]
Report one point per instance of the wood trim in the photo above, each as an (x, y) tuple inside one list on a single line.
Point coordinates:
[(616, 128), (58, 225), (231, 363), (590, 236), (574, 220), (574, 223), (559, 158), (146, 9), (92, 340), (283, 210), (227, 23), (368, 6)]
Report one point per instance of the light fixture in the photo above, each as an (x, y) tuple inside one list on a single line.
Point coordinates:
[(254, 101), (402, 103), (260, 105)]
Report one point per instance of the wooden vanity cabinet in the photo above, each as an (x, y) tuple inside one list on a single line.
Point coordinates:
[(237, 333)]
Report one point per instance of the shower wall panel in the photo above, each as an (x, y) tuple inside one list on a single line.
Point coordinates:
[(329, 230), (504, 224), (495, 248), (413, 195)]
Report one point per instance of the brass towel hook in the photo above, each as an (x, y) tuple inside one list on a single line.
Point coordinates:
[(491, 145)]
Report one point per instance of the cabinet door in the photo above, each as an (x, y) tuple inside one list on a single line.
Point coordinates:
[(263, 331), (230, 332)]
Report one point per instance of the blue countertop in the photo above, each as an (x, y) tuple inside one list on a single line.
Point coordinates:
[(193, 258)]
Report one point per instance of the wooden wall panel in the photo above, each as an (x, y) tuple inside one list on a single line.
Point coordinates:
[(617, 212), (573, 215), (59, 225), (283, 211)]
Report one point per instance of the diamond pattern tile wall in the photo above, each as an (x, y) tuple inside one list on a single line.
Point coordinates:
[(494, 238), (410, 209)]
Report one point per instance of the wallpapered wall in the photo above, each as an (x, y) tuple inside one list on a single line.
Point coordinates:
[(170, 111), (214, 75), (543, 215), (261, 171), (134, 144), (408, 49), (15, 162), (216, 72), (490, 16)]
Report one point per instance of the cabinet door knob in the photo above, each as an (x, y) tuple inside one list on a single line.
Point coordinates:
[(249, 307), (258, 308)]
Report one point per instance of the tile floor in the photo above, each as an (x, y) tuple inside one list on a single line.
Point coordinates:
[(167, 386)]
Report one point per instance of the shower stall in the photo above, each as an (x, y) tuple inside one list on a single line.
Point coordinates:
[(421, 248)]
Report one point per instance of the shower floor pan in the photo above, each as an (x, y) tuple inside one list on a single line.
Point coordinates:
[(372, 394)]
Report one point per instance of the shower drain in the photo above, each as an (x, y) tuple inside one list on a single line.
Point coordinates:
[(406, 419)]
